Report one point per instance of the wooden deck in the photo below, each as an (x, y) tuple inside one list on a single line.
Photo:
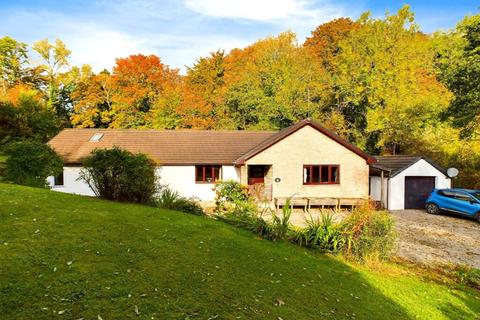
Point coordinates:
[(308, 202)]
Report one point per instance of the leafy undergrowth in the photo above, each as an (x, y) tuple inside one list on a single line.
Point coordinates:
[(68, 257)]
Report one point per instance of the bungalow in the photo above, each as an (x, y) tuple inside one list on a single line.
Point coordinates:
[(305, 160)]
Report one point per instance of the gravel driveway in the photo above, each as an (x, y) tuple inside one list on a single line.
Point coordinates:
[(428, 238), (425, 238)]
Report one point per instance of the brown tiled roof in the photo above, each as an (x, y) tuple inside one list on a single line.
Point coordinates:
[(177, 147), (167, 147)]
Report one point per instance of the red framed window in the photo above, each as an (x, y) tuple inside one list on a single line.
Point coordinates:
[(321, 174), (207, 173)]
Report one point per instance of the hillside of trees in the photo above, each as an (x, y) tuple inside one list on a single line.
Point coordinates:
[(380, 83)]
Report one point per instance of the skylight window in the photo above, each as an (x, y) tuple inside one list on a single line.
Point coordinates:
[(96, 137)]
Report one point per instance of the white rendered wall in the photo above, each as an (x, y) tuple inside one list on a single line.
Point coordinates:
[(396, 185), (179, 178), (182, 179), (71, 184), (375, 189)]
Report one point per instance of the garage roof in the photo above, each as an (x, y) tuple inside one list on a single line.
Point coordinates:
[(398, 163)]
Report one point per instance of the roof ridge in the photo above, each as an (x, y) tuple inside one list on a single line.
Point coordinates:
[(170, 130)]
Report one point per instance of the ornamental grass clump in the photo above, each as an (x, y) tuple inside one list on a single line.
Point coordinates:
[(320, 233), (171, 199)]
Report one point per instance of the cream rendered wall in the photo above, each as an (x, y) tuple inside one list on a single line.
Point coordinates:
[(309, 146), (421, 168), (179, 178)]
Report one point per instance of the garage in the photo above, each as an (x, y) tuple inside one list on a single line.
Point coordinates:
[(417, 190), (405, 182)]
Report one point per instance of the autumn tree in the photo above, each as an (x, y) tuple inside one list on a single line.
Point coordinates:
[(24, 115), (386, 82), (203, 93), (138, 84), (271, 84), (325, 40), (92, 99), (53, 68)]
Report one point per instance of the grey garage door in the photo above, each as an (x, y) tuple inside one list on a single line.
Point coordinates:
[(417, 190)]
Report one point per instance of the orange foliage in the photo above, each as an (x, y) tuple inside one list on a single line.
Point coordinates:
[(15, 93), (325, 38), (138, 82)]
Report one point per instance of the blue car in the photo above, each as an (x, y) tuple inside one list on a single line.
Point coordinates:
[(459, 201)]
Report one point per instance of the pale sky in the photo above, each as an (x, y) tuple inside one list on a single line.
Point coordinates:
[(180, 31)]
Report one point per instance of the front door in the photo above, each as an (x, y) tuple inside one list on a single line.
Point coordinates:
[(417, 190), (256, 174)]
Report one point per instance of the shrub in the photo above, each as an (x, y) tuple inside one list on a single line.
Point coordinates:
[(320, 233), (171, 199), (120, 175), (230, 194), (30, 163), (368, 234)]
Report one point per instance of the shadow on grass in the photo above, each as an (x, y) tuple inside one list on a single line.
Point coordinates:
[(93, 258)]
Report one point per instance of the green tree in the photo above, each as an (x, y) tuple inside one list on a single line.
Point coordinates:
[(30, 163), (271, 84), (458, 62), (25, 116), (203, 92), (53, 68), (13, 58), (386, 82)]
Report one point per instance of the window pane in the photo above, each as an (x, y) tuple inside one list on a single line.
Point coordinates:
[(199, 173), (462, 197), (324, 176), (316, 174), (209, 173), (334, 174), (306, 174), (58, 180), (448, 194), (216, 173)]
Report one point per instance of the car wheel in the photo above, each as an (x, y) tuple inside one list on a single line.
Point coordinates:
[(432, 208), (478, 217)]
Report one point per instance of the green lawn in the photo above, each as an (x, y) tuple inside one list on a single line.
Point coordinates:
[(69, 257)]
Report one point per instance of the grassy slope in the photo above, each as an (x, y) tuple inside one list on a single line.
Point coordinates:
[(172, 265)]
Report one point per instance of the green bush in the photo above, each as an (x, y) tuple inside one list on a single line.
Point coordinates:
[(320, 233), (30, 163), (171, 199), (231, 195), (368, 234), (120, 175)]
